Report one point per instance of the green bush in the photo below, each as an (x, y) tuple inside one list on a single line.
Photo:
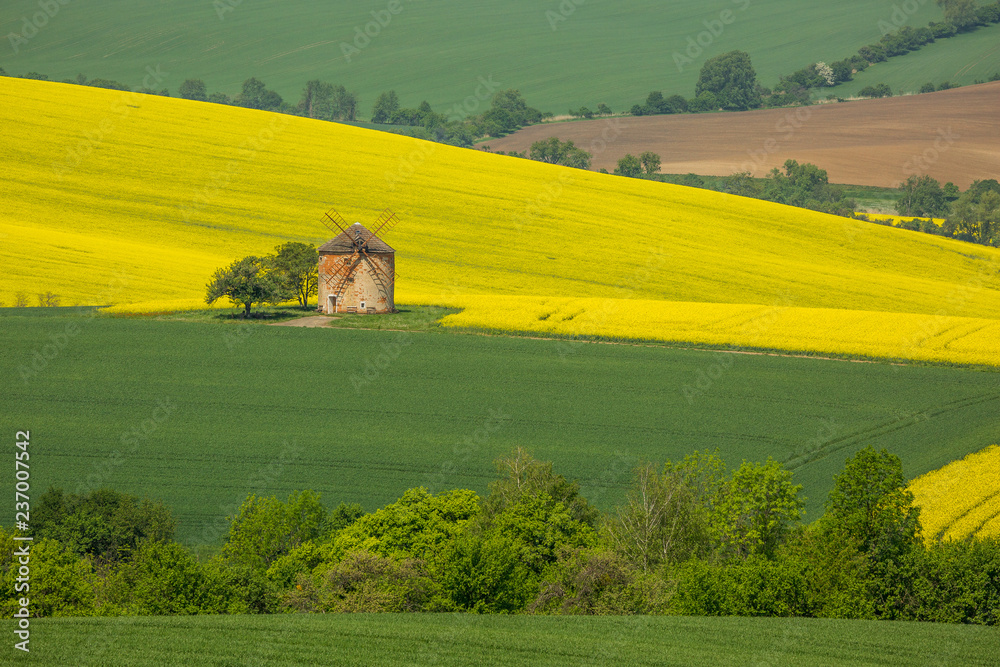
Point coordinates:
[(266, 528), (161, 578), (61, 582), (238, 589), (880, 90), (753, 587), (486, 574), (539, 526), (959, 582), (600, 582), (417, 525), (104, 524), (367, 582)]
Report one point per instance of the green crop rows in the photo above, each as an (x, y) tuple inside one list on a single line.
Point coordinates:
[(201, 414), (449, 639), (558, 58), (960, 60)]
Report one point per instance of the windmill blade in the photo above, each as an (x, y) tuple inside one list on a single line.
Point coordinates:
[(341, 272), (386, 221), (375, 265), (339, 225)]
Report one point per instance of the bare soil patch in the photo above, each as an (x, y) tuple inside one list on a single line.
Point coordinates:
[(952, 135), (311, 321)]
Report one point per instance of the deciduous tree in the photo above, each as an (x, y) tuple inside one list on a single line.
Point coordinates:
[(757, 507), (732, 79), (961, 13), (650, 162), (246, 282), (629, 166), (265, 528), (295, 265), (870, 505), (667, 516), (386, 104), (554, 151), (921, 196), (193, 89)]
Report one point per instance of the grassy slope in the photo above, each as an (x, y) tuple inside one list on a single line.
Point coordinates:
[(441, 411), (961, 60), (448, 639), (169, 190), (438, 50)]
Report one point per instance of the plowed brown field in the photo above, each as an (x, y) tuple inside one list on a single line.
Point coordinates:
[(953, 135)]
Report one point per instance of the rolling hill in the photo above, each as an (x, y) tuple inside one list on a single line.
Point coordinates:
[(868, 142), (139, 198), (963, 61), (436, 51)]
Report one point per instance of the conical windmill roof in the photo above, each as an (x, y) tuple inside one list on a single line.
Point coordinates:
[(342, 244)]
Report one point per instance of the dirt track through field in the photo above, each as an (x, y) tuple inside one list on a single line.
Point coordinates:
[(952, 135)]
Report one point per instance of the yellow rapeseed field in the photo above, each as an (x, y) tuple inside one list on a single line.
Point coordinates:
[(120, 198), (962, 498), (781, 325)]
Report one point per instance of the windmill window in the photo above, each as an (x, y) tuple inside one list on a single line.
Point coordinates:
[(362, 304)]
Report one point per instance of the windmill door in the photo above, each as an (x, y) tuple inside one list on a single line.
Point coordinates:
[(331, 304)]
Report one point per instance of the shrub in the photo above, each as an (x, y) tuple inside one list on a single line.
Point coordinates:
[(415, 526), (238, 589), (162, 578), (881, 90), (539, 526), (486, 573), (754, 587), (366, 582), (959, 582), (599, 582), (104, 524), (266, 528), (62, 583)]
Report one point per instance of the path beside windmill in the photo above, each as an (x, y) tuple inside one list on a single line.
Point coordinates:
[(311, 321)]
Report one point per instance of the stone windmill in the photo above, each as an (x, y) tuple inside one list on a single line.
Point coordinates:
[(357, 269)]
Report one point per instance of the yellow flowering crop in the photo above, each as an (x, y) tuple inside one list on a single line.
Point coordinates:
[(118, 198), (962, 498), (781, 326)]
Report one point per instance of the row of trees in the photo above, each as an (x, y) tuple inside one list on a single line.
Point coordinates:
[(567, 154), (692, 537), (319, 99), (960, 16), (81, 80), (322, 100), (729, 81), (803, 185), (289, 273), (508, 111), (973, 215), (45, 300)]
